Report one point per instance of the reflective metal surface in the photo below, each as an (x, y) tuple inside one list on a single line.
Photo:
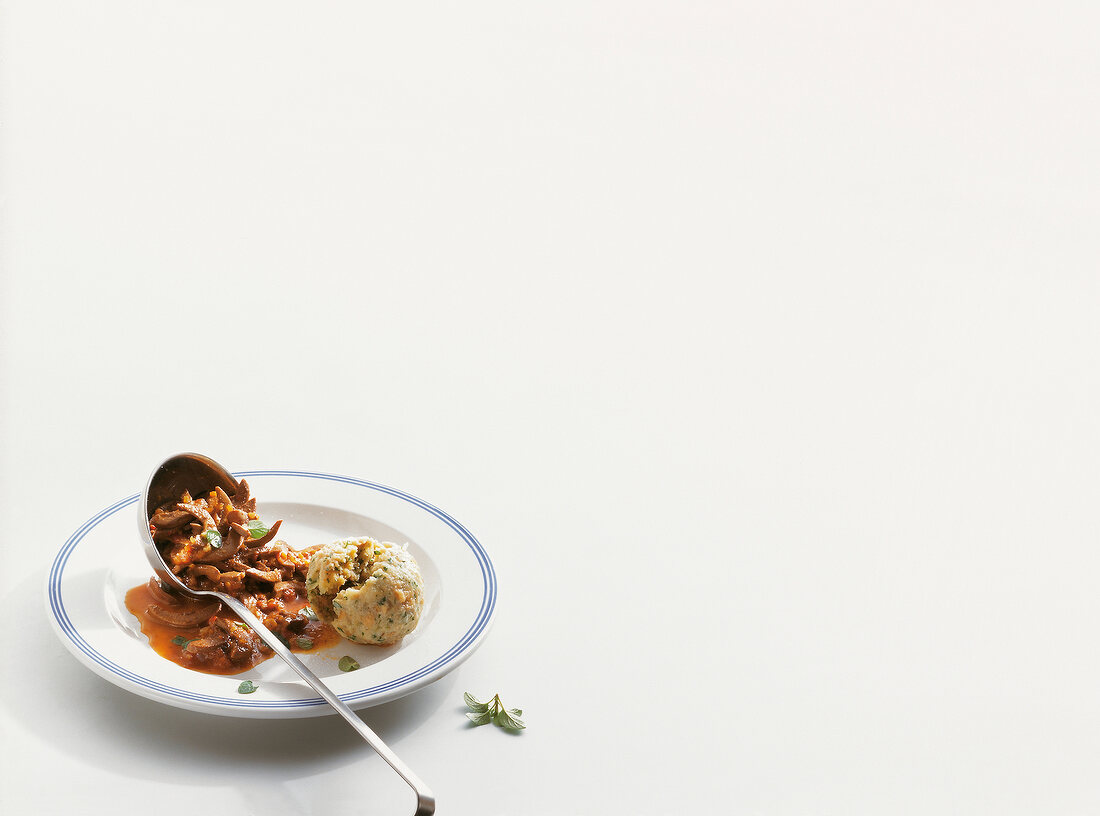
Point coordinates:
[(199, 474)]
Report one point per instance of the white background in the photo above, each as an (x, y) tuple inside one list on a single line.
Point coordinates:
[(756, 342)]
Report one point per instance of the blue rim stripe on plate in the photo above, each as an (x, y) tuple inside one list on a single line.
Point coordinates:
[(488, 602)]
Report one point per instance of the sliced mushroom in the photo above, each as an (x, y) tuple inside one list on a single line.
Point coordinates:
[(271, 576), (237, 517), (288, 590), (223, 498), (198, 511), (235, 563), (231, 582), (228, 548), (232, 627), (208, 571), (242, 500), (169, 519), (206, 648), (183, 617), (160, 594), (270, 534)]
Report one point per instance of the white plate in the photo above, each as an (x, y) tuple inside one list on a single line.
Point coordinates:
[(87, 585)]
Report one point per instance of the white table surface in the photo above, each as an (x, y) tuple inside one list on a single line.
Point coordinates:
[(757, 343)]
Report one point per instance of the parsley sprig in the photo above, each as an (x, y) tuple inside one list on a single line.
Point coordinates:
[(481, 713)]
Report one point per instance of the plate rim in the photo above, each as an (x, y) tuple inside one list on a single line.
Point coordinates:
[(134, 682)]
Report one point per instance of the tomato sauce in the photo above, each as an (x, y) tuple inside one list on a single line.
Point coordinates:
[(170, 641)]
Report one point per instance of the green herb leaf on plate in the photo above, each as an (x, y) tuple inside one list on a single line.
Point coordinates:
[(257, 529), (348, 663), (247, 687), (305, 642), (214, 538), (181, 641)]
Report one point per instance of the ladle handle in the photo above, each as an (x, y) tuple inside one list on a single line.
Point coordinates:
[(425, 801)]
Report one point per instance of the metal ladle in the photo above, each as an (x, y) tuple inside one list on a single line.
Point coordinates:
[(199, 475)]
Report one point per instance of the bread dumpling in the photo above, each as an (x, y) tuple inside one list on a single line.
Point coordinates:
[(370, 591)]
